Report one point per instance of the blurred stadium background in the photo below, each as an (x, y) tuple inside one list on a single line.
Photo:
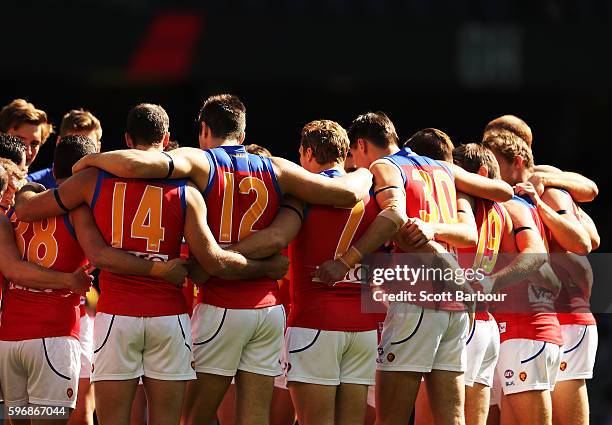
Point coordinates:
[(449, 64)]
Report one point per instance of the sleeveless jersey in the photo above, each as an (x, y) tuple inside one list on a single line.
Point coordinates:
[(146, 219), (242, 197), (430, 196), (490, 222), (29, 313), (528, 310), (326, 234)]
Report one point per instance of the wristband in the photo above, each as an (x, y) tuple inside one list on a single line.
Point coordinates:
[(59, 200), (351, 257)]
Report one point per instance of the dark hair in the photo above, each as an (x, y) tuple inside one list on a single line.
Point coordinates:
[(68, 151), (147, 124), (12, 148), (3, 179), (375, 127), (432, 143), (472, 156), (225, 115), (327, 139)]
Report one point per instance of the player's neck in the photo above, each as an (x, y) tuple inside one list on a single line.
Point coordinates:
[(59, 181), (317, 168), (226, 142), (389, 150)]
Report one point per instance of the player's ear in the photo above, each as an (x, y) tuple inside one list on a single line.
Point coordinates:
[(241, 138), (166, 139), (363, 145), (518, 161), (483, 171), (309, 154), (128, 141)]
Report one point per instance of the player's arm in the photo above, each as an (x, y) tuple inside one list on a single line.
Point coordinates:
[(114, 260), (214, 259), (133, 163), (579, 187), (479, 186), (31, 275), (554, 208), (77, 190), (312, 188), (391, 198), (590, 227), (532, 253), (277, 235)]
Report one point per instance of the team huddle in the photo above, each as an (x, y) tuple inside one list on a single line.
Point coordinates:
[(227, 285)]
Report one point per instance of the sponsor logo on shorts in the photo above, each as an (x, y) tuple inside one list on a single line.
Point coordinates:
[(69, 392), (390, 357), (563, 366), (502, 327), (523, 376), (380, 351), (508, 374), (509, 383)]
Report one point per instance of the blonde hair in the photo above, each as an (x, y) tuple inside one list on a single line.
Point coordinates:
[(80, 120), (509, 146), (327, 139), (510, 123), (19, 112)]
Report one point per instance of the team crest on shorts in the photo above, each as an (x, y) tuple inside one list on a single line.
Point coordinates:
[(523, 376), (563, 366), (390, 357), (508, 374), (69, 392)]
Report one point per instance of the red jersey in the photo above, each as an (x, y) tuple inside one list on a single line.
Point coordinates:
[(326, 234), (29, 313), (490, 222), (430, 196), (572, 304), (243, 197), (284, 285), (146, 219), (528, 310)]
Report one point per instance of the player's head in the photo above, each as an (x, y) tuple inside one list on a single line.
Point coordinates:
[(147, 127), (477, 159), (371, 135), (323, 144), (257, 150), (68, 151), (509, 123), (14, 149), (80, 122), (21, 119), (513, 156), (15, 178), (432, 143), (222, 119), (172, 145)]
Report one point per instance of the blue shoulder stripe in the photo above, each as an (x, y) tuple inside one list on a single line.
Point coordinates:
[(101, 175), (69, 226)]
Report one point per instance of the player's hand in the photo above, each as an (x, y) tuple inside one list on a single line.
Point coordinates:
[(82, 164), (278, 266), (173, 271), (527, 189), (538, 183), (80, 280), (415, 234), (331, 272), (197, 274)]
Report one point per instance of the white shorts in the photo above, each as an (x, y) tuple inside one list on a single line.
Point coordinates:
[(41, 371), (130, 347), (86, 341), (579, 349), (482, 352), (527, 365), (324, 357), (227, 340), (417, 339)]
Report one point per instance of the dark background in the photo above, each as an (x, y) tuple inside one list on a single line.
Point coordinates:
[(452, 64)]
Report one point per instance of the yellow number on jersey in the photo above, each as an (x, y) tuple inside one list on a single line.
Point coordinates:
[(147, 222), (357, 213), (43, 236), (489, 238), (444, 205)]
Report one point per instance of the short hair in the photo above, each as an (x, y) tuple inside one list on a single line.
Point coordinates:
[(472, 156), (509, 123), (12, 148), (257, 150), (147, 124), (376, 127), (12, 169), (225, 115), (509, 146), (20, 112), (327, 139), (68, 151), (80, 120), (3, 179), (432, 143)]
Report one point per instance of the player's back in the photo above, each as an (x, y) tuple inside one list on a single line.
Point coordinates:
[(242, 197), (29, 313), (145, 218), (326, 234)]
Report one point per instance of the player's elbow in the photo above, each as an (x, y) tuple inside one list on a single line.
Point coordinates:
[(97, 259), (582, 246), (589, 193), (22, 211)]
